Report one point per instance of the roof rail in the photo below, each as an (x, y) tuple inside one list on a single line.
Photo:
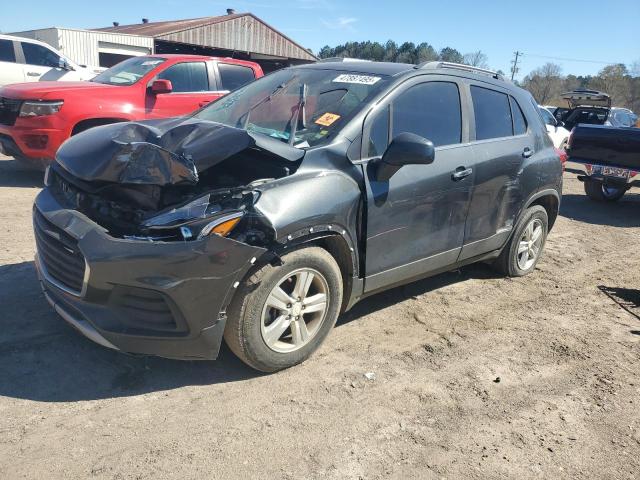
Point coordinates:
[(459, 66), (341, 59)]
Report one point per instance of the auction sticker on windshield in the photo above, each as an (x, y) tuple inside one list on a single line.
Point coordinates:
[(361, 79), (327, 119)]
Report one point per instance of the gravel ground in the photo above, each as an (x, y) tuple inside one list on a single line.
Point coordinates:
[(476, 376)]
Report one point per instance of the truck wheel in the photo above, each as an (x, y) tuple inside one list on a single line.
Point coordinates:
[(520, 256), (599, 192), (281, 314)]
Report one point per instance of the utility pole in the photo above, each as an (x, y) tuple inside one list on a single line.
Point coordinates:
[(514, 69)]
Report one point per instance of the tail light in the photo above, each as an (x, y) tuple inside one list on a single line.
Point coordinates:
[(589, 169), (632, 174), (563, 156)]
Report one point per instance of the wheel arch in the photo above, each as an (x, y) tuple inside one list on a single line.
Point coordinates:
[(339, 247), (88, 123), (550, 201)]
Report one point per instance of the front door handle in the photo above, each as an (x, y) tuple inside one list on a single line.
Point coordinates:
[(461, 172), (33, 74), (527, 152), (206, 102)]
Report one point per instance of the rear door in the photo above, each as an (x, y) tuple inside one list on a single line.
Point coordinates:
[(415, 220), (10, 70), (502, 143), (194, 85)]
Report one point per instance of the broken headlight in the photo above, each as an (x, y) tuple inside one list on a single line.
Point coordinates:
[(195, 220)]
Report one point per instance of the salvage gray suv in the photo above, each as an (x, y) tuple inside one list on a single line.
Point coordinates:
[(262, 217)]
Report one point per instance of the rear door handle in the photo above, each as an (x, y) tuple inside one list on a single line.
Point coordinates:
[(461, 172), (33, 74), (527, 152), (202, 104)]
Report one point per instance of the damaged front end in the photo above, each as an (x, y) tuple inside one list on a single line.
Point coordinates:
[(170, 180), (144, 229)]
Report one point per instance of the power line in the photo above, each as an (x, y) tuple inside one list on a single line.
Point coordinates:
[(565, 59)]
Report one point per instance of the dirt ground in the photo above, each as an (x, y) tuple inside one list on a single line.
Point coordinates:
[(476, 376)]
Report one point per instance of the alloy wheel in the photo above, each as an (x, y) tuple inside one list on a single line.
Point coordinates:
[(295, 310), (530, 244)]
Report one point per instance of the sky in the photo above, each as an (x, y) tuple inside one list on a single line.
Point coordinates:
[(581, 36)]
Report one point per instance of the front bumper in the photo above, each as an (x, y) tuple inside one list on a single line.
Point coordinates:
[(33, 145), (156, 298)]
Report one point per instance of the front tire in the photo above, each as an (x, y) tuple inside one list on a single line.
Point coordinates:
[(599, 192), (520, 256), (280, 315)]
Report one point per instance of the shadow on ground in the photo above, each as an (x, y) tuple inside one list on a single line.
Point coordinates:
[(43, 359), (626, 298), (14, 174), (623, 213)]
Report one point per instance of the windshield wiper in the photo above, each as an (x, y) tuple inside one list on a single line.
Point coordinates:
[(301, 109), (276, 91)]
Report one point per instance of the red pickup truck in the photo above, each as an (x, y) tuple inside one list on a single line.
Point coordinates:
[(36, 118)]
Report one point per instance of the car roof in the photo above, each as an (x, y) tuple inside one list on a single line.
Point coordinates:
[(361, 66)]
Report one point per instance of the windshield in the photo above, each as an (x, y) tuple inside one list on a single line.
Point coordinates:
[(303, 107), (129, 71)]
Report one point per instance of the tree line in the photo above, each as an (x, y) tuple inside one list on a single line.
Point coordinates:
[(408, 52), (546, 83)]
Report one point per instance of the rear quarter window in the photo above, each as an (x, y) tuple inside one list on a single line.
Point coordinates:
[(519, 120)]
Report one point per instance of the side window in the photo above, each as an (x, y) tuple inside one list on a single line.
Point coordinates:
[(519, 122), (492, 113), (379, 134), (234, 76), (548, 118), (39, 55), (431, 110), (6, 51), (187, 77)]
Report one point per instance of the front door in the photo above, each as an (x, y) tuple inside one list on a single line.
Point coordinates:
[(193, 87), (43, 65), (415, 220)]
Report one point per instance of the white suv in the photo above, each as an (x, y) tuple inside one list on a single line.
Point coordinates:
[(26, 60)]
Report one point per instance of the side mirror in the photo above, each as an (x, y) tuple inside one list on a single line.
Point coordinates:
[(161, 86), (560, 124), (64, 65), (405, 149)]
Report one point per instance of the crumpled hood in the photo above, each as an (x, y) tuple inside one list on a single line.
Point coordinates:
[(156, 152)]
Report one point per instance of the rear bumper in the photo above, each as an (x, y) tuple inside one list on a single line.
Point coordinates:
[(156, 298), (593, 171)]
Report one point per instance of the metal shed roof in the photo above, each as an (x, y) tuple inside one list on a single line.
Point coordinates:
[(240, 31)]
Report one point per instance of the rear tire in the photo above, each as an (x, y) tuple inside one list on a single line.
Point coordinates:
[(280, 315), (521, 254), (597, 191)]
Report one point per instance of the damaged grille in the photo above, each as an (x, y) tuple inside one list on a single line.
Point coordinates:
[(9, 110), (59, 254)]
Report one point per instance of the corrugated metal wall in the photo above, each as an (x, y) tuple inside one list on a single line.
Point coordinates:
[(81, 46), (242, 34)]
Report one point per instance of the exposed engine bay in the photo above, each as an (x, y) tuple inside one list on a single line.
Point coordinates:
[(170, 180)]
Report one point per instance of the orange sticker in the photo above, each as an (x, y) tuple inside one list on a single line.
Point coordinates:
[(327, 119)]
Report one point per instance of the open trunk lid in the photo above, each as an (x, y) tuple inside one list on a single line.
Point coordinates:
[(587, 98)]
